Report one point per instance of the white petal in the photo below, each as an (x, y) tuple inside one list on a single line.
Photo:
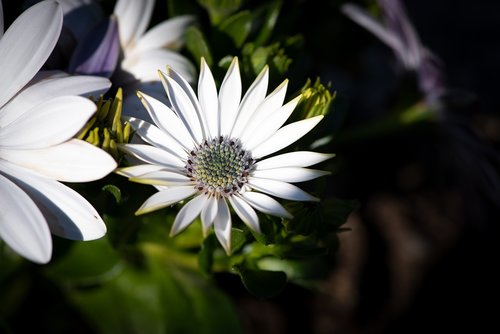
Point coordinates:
[(137, 170), (26, 45), (22, 225), (265, 204), (271, 103), (188, 213), (154, 136), (222, 225), (183, 107), (144, 66), (47, 124), (270, 125), (285, 136), (186, 87), (50, 88), (246, 213), (68, 214), (164, 178), (165, 198), (208, 214), (72, 161), (133, 19), (253, 97), (289, 174), (293, 159), (167, 120), (280, 189), (207, 95), (229, 98), (169, 33), (153, 155)]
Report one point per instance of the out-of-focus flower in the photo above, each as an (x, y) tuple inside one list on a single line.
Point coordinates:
[(209, 147), (398, 33), (121, 48), (37, 149)]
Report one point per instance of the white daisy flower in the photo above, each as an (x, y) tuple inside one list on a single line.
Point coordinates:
[(37, 123), (145, 52), (211, 147)]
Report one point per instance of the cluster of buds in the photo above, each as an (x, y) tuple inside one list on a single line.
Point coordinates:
[(105, 129)]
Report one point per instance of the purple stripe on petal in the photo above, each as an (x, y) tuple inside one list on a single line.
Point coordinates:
[(98, 53)]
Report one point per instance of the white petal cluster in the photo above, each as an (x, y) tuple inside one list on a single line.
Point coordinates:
[(39, 115)]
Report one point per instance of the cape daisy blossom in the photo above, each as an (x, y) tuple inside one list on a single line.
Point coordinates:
[(37, 123), (210, 148)]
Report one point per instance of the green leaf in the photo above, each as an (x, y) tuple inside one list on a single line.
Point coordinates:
[(268, 23), (157, 297), (262, 283), (237, 27), (338, 210), (238, 239), (113, 190), (218, 10), (206, 255), (197, 45), (86, 263)]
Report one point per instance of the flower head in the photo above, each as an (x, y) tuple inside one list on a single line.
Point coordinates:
[(211, 147), (37, 149)]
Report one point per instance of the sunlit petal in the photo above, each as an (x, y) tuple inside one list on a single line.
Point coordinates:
[(222, 225), (72, 161), (48, 124), (265, 204), (229, 98), (289, 174), (286, 136), (293, 159), (187, 214), (165, 198), (246, 213), (26, 45)]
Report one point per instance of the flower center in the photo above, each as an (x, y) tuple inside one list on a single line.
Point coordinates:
[(219, 166)]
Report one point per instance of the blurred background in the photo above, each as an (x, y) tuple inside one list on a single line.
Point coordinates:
[(420, 252)]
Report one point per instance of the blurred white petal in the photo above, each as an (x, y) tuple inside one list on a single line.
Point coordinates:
[(169, 33)]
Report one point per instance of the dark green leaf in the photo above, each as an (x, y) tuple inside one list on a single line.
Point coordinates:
[(237, 27), (218, 10), (197, 45), (206, 255), (86, 263), (272, 11), (262, 283), (156, 298)]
